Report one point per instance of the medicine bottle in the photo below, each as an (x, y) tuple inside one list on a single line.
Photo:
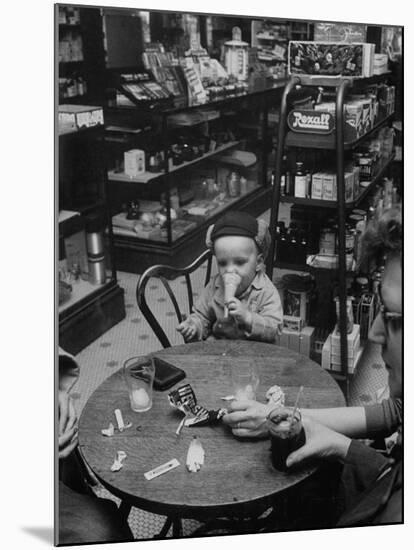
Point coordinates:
[(300, 181)]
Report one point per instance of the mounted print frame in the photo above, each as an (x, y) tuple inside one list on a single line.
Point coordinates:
[(165, 120)]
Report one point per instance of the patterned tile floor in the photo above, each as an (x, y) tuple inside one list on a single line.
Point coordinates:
[(133, 336)]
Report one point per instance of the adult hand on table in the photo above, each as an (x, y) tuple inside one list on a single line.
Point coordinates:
[(68, 425), (321, 442), (247, 418)]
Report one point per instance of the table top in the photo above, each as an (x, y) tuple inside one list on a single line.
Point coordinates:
[(237, 473)]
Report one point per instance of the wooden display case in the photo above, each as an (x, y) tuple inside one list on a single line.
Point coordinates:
[(199, 147), (89, 298)]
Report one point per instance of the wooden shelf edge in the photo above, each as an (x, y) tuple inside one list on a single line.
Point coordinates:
[(84, 302), (149, 176), (134, 242)]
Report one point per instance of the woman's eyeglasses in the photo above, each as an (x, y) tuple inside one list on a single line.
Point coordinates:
[(389, 318)]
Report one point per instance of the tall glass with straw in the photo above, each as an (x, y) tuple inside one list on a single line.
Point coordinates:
[(286, 432)]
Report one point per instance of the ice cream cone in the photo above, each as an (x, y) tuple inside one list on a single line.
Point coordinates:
[(231, 282)]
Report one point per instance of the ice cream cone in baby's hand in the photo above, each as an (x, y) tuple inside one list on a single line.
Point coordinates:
[(231, 282)]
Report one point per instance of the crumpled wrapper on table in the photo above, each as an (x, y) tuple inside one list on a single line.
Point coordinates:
[(276, 396), (184, 399), (118, 461), (195, 455)]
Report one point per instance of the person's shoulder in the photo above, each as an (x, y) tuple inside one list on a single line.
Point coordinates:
[(267, 282)]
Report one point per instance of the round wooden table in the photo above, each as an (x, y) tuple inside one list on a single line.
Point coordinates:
[(237, 477)]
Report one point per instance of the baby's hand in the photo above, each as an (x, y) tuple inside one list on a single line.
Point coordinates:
[(240, 313), (188, 329)]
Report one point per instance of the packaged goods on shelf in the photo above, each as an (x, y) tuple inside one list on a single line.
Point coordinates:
[(292, 323), (365, 310), (300, 341), (317, 181), (76, 253), (353, 340), (380, 63), (329, 186), (329, 261), (324, 186), (76, 117), (331, 351), (134, 162), (353, 347), (339, 32), (306, 339), (331, 59)]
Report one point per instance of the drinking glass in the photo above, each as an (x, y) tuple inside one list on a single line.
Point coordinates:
[(245, 380), (139, 377), (286, 434)]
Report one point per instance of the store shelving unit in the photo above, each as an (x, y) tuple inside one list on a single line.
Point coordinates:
[(80, 57), (271, 38), (184, 237), (90, 309), (336, 144)]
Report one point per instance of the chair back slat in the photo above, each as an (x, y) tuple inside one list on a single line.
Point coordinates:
[(189, 291), (172, 297), (165, 274)]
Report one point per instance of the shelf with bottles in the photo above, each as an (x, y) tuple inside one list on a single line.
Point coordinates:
[(89, 298), (361, 191), (146, 176), (70, 45), (193, 201), (310, 241), (270, 40), (196, 161), (72, 86)]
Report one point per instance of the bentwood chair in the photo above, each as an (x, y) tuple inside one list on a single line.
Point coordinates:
[(170, 277)]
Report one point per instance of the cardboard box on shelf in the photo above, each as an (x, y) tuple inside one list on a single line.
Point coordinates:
[(293, 323), (75, 117), (134, 162), (329, 190), (352, 361), (353, 340), (293, 339), (284, 338), (352, 121), (326, 354), (317, 181), (306, 339), (331, 59)]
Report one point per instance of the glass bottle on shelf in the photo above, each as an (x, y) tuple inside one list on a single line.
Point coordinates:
[(283, 176), (281, 242), (300, 181)]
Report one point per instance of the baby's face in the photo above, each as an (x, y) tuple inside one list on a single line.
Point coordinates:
[(237, 255)]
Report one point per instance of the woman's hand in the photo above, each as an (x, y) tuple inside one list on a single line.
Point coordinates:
[(68, 425), (248, 418), (240, 313), (321, 442), (187, 329)]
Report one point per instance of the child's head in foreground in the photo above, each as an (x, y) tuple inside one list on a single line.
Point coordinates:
[(240, 244)]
